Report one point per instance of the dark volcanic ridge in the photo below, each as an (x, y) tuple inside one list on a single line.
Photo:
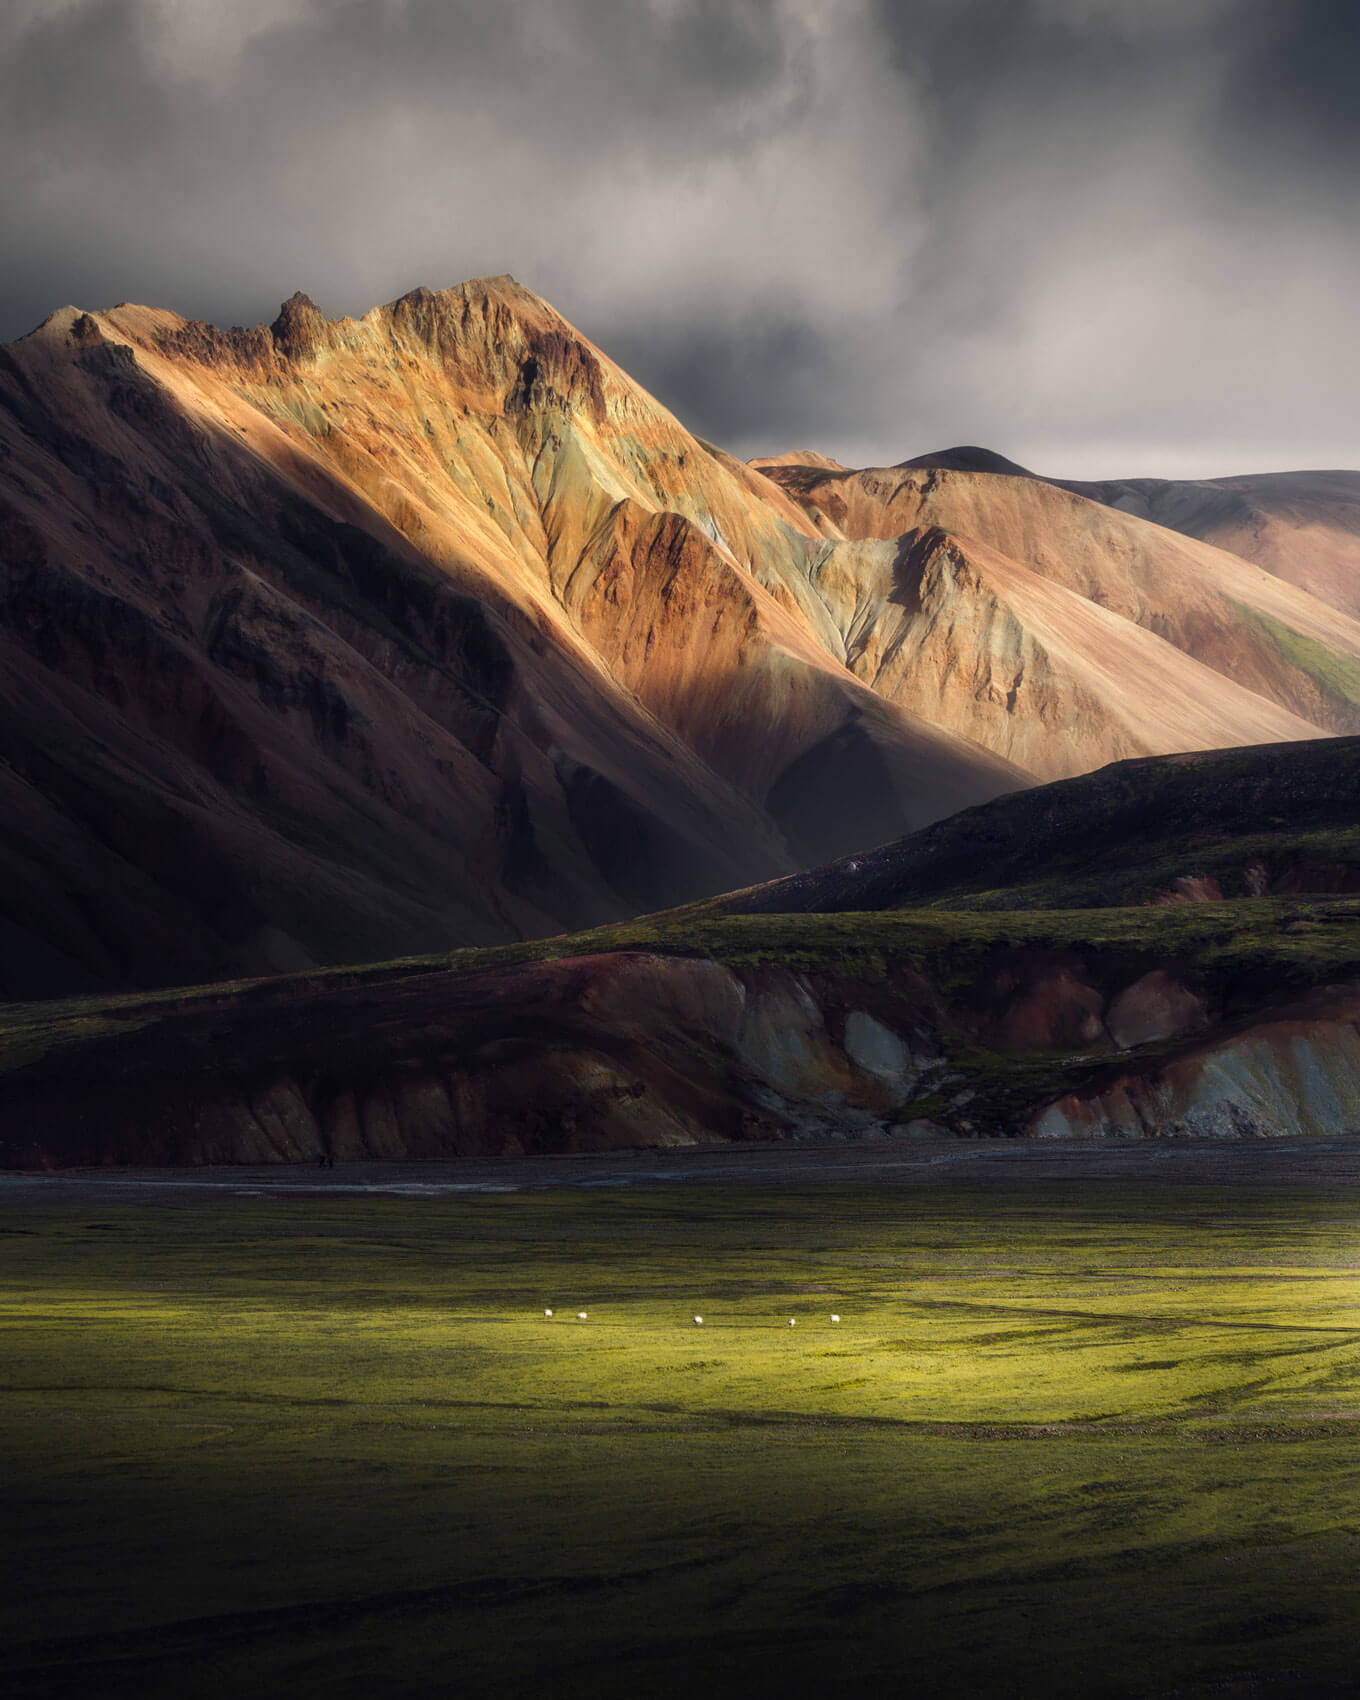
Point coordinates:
[(1276, 820)]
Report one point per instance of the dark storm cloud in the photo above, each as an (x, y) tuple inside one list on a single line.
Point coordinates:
[(1142, 226), (154, 149), (730, 382), (1297, 82), (1101, 236)]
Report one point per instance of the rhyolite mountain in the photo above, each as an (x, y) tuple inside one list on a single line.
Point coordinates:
[(1169, 947), (1130, 636), (331, 640), (337, 640), (1302, 526)]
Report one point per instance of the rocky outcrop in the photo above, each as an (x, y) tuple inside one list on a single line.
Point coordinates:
[(712, 1033), (1299, 1074), (1157, 1006)]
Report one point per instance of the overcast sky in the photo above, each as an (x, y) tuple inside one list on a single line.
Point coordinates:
[(1100, 236)]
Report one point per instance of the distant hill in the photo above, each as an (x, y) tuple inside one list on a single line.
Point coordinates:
[(968, 458), (1302, 526), (1063, 633)]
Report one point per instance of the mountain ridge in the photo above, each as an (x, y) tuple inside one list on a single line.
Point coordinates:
[(338, 541), (341, 638), (1301, 526)]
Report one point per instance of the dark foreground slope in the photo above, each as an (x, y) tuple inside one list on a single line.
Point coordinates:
[(891, 1013)]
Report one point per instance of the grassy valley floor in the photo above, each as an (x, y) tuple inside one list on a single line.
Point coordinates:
[(1069, 1439)]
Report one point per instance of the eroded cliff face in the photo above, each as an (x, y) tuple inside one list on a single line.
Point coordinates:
[(640, 1048), (1296, 1075), (1045, 675)]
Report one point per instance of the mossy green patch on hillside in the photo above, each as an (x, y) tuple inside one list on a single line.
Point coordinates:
[(1074, 1442), (1336, 675)]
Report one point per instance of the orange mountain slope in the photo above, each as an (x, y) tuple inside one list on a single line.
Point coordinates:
[(1302, 526), (1251, 628), (1051, 679)]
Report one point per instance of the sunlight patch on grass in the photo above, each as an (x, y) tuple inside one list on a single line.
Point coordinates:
[(337, 1445)]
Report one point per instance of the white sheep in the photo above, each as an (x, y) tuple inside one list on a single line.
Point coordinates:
[(580, 1316), (698, 1322), (834, 1317), (792, 1321), (547, 1313)]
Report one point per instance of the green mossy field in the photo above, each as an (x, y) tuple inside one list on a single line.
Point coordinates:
[(1076, 1440)]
